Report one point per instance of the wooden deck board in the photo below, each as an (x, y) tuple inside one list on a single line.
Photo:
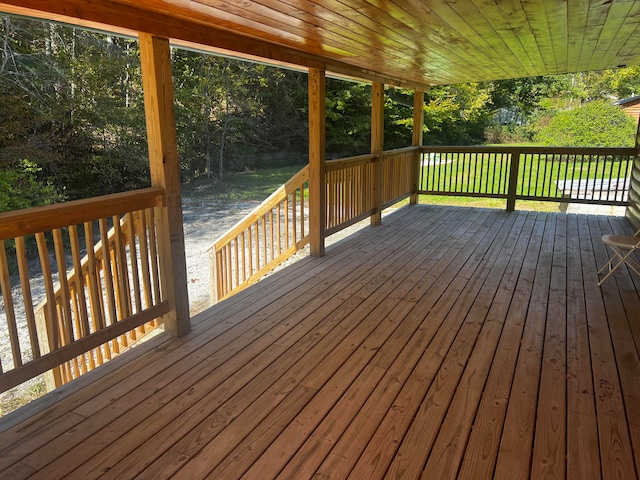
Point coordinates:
[(514, 457), (447, 343), (615, 445), (583, 457)]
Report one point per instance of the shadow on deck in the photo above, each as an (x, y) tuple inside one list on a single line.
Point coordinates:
[(458, 343)]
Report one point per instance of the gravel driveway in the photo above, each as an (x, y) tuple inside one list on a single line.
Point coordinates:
[(203, 224)]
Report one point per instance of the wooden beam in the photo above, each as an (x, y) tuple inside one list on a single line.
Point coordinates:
[(163, 160), (417, 140), (377, 148), (317, 189)]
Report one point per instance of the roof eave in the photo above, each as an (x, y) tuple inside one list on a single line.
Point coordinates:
[(128, 20)]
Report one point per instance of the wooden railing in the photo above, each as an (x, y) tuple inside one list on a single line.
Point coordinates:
[(257, 244), (398, 171), (349, 196), (266, 237), (569, 175), (100, 300), (276, 230)]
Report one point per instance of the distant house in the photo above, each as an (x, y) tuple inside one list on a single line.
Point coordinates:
[(631, 106)]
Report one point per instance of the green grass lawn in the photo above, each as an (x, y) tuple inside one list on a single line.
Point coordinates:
[(249, 186), (479, 202), (256, 185)]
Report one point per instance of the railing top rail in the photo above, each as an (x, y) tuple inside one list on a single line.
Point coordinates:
[(40, 219), (399, 151), (291, 184), (337, 164), (531, 149)]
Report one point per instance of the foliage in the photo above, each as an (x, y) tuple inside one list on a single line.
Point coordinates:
[(625, 82), (457, 114), (523, 96), (590, 86), (597, 124), (348, 118), (21, 186), (74, 111)]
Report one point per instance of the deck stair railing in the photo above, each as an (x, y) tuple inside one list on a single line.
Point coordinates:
[(107, 293), (266, 237), (278, 228)]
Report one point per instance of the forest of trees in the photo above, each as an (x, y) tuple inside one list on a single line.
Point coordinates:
[(72, 123)]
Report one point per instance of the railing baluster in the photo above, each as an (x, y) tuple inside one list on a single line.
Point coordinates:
[(50, 313), (81, 309), (235, 265), (123, 291), (108, 279), (250, 249), (9, 311), (132, 234), (242, 259), (287, 240), (74, 308), (65, 318), (23, 270), (95, 292), (83, 320), (144, 261)]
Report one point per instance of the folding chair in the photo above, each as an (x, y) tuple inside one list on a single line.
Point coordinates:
[(623, 247)]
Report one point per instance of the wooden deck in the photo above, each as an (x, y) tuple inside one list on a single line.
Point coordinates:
[(447, 343)]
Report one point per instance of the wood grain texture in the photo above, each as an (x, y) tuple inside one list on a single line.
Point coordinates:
[(317, 158), (445, 343), (165, 173)]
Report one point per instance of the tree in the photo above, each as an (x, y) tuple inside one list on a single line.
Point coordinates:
[(348, 118), (75, 108), (625, 82), (523, 96), (457, 114)]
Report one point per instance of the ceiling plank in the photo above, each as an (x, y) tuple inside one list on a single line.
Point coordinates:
[(615, 32), (408, 43), (129, 20)]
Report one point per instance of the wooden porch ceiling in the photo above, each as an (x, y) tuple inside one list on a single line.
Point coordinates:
[(449, 343), (412, 43)]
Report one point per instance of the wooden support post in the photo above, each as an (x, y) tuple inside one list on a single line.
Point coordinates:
[(377, 148), (317, 182), (418, 125), (513, 181), (163, 160)]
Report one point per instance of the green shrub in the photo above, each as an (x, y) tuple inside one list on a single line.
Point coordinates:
[(22, 187), (596, 124)]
